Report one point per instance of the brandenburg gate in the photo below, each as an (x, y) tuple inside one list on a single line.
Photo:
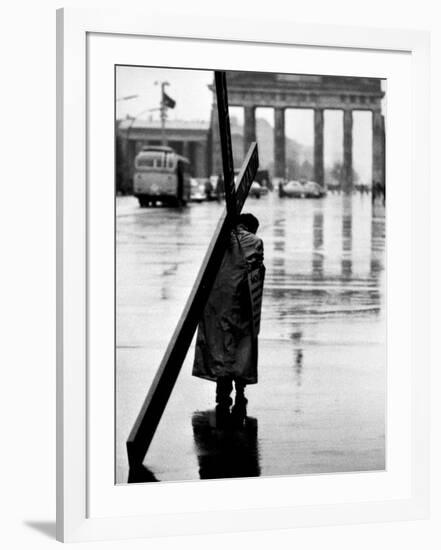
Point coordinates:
[(318, 93)]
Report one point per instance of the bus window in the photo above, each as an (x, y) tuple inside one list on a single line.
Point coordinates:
[(150, 160), (145, 161)]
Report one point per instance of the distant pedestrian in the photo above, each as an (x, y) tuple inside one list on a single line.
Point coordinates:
[(208, 190), (280, 188), (226, 344), (220, 191)]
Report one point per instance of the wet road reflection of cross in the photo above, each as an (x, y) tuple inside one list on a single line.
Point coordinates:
[(154, 405)]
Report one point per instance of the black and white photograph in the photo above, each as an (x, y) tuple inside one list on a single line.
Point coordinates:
[(278, 367)]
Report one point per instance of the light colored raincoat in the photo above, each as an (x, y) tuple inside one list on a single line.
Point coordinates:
[(225, 344)]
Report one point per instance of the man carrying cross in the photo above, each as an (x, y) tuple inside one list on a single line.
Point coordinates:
[(220, 248), (226, 344)]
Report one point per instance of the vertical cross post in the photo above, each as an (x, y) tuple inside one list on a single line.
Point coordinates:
[(226, 145)]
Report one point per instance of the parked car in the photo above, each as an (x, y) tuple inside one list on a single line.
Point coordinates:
[(292, 188), (263, 177), (197, 190), (333, 187), (299, 189), (313, 190), (257, 190)]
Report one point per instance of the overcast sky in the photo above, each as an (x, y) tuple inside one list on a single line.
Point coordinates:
[(193, 102)]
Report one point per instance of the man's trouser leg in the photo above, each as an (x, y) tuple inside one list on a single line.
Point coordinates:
[(239, 411), (224, 387), (240, 392)]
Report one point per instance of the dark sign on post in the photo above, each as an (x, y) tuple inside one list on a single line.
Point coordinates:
[(256, 278)]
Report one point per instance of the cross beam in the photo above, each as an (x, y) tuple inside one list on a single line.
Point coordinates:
[(154, 405)]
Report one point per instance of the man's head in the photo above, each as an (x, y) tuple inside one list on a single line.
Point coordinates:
[(250, 222)]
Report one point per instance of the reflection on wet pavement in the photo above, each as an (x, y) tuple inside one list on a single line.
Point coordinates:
[(320, 400)]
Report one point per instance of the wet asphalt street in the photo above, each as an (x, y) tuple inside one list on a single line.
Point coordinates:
[(320, 402)]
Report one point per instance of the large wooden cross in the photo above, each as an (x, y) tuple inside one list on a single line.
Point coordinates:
[(150, 414)]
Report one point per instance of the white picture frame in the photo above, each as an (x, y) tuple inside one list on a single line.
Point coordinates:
[(77, 520)]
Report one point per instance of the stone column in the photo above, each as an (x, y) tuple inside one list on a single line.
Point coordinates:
[(186, 149), (200, 170), (319, 170), (378, 152), (279, 143), (347, 150), (249, 131)]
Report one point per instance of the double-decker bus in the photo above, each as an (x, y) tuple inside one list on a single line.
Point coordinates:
[(161, 175)]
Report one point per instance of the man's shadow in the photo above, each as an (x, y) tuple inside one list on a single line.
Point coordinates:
[(225, 450)]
